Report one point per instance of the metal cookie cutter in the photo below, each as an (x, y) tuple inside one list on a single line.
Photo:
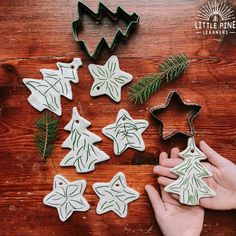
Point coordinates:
[(193, 110), (132, 22)]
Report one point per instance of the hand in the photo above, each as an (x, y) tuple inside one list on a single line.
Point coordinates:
[(174, 218), (223, 181)]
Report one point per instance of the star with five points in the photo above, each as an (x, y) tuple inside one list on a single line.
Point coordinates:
[(115, 195), (108, 79), (67, 197), (126, 132), (178, 116)]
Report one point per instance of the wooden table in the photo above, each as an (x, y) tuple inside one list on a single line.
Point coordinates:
[(37, 34)]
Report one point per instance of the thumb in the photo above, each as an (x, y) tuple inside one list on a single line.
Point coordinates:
[(156, 201), (213, 157)]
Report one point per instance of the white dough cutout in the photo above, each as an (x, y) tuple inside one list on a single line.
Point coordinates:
[(108, 79), (67, 197), (46, 93), (126, 132), (190, 186), (115, 195), (84, 154)]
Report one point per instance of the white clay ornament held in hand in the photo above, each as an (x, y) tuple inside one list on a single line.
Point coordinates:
[(46, 93), (189, 186), (84, 154), (126, 132), (108, 79), (67, 197), (115, 195)]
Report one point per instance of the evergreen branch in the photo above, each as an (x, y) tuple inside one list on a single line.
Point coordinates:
[(46, 135), (170, 70)]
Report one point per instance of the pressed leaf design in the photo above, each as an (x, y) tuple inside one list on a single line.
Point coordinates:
[(67, 197), (108, 79), (46, 93), (84, 154), (115, 195), (190, 186), (126, 132)]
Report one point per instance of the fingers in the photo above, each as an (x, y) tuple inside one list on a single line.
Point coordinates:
[(163, 157), (174, 153), (164, 171), (164, 181), (156, 201), (212, 156), (168, 162)]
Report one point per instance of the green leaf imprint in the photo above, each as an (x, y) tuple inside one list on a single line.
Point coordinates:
[(108, 79), (126, 132), (84, 154), (67, 197), (115, 195), (46, 93), (190, 185)]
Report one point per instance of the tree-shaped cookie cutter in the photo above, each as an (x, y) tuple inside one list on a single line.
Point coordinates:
[(194, 110), (132, 22)]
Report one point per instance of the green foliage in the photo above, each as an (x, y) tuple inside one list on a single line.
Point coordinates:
[(170, 70), (46, 135)]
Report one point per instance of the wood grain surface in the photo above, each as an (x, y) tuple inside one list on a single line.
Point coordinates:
[(37, 34)]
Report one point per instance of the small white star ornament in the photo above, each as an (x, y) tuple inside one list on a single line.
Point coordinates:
[(115, 195), (126, 132), (67, 197), (108, 79)]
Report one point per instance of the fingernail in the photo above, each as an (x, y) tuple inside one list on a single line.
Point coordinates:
[(155, 168), (146, 186)]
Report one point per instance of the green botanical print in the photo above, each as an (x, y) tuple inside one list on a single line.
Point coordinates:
[(84, 154), (126, 132), (190, 186), (108, 79), (46, 93), (115, 195), (67, 197)]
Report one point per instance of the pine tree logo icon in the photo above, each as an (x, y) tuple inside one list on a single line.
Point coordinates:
[(214, 11), (215, 18)]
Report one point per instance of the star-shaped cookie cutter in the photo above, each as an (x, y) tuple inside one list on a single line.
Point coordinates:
[(194, 110), (132, 22)]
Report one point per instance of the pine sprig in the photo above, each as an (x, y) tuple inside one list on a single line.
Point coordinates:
[(170, 70), (46, 135)]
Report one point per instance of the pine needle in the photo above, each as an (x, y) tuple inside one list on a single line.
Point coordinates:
[(170, 70), (46, 135)]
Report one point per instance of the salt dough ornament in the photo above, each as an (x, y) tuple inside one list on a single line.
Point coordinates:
[(84, 154), (67, 197), (126, 132), (115, 195), (190, 186), (46, 93), (108, 79)]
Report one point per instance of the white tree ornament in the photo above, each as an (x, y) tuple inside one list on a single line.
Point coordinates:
[(46, 93), (67, 197), (190, 186), (84, 154), (126, 132), (115, 195), (108, 79)]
